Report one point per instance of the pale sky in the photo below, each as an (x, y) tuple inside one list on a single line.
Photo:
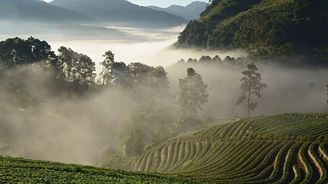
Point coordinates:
[(161, 3)]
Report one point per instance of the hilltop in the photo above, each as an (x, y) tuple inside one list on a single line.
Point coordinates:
[(262, 27), (190, 12)]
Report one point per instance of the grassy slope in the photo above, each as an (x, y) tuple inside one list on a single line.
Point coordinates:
[(284, 149), (15, 170)]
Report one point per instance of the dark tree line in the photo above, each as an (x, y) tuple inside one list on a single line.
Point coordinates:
[(212, 60), (16, 51), (68, 66), (78, 71)]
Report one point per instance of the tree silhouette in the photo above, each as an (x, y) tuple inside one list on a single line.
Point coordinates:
[(251, 85), (193, 92), (16, 51)]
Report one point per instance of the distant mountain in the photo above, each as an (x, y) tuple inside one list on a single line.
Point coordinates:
[(37, 10), (189, 12), (262, 27), (64, 31), (121, 12)]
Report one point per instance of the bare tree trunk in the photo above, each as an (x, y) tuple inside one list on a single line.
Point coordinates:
[(249, 103)]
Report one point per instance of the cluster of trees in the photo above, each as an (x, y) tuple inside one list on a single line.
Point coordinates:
[(69, 67), (158, 115), (79, 71), (75, 68), (154, 119), (212, 60), (135, 76), (16, 51)]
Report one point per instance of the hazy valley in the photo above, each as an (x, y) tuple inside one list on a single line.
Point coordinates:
[(174, 90)]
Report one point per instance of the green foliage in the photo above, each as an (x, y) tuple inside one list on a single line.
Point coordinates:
[(278, 149), (76, 68), (69, 70), (214, 61), (151, 79), (251, 86), (15, 170), (16, 51), (262, 27), (135, 76)]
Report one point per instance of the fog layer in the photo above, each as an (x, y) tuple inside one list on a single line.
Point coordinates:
[(79, 129)]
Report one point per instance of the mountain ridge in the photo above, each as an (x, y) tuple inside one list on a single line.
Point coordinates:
[(37, 10), (190, 12), (121, 12)]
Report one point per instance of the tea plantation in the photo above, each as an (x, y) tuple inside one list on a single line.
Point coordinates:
[(289, 148)]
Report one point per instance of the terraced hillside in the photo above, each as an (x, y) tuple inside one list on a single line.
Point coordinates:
[(290, 148), (27, 171)]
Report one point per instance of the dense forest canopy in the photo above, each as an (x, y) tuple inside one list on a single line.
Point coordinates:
[(262, 27)]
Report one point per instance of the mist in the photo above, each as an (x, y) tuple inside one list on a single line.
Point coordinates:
[(152, 46), (289, 89), (79, 129), (61, 128)]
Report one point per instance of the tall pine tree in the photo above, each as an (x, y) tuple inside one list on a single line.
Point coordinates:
[(251, 86)]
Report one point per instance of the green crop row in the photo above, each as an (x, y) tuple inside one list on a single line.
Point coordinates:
[(290, 148), (15, 170)]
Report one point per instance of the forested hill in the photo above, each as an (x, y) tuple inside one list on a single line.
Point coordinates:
[(263, 27)]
